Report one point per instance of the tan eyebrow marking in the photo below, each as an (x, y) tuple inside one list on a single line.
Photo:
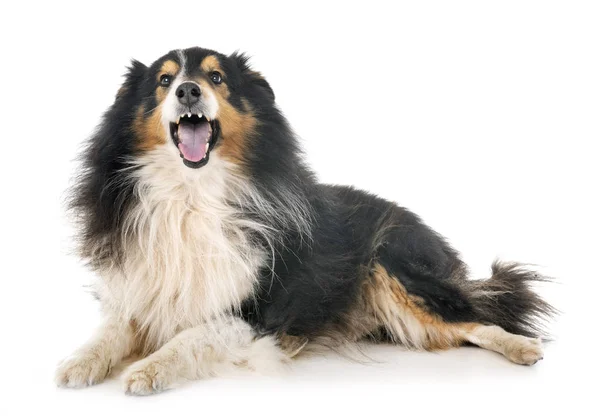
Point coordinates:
[(168, 67), (211, 63)]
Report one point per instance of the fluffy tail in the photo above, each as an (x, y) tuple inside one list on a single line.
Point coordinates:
[(506, 300)]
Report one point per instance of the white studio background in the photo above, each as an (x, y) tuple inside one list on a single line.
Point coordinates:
[(482, 117)]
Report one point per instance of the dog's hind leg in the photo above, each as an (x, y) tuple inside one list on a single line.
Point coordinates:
[(517, 348), (416, 291), (407, 319), (218, 346)]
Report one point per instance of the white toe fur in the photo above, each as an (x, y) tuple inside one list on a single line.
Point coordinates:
[(81, 370), (523, 350)]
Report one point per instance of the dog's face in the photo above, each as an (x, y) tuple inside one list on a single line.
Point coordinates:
[(197, 101)]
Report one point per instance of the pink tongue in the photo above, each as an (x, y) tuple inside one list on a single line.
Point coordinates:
[(193, 139)]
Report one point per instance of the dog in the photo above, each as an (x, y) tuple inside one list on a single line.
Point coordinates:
[(216, 248)]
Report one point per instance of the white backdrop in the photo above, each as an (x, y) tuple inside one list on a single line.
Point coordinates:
[(482, 117)]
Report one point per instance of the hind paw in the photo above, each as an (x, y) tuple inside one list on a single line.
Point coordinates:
[(525, 351)]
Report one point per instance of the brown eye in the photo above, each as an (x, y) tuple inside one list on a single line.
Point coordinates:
[(165, 80), (216, 77)]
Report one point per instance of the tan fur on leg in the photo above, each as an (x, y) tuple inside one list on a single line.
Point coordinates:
[(407, 321)]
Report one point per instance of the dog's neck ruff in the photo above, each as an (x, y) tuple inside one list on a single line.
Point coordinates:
[(189, 254)]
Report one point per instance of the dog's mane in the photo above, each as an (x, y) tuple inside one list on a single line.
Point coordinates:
[(273, 186)]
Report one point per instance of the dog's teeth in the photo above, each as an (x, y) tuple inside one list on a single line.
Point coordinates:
[(206, 150), (189, 114)]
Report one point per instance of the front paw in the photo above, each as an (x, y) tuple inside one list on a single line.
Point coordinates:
[(81, 370), (146, 377)]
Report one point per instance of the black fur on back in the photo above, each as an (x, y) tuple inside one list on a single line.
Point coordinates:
[(354, 229)]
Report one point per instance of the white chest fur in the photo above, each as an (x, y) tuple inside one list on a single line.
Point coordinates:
[(189, 255)]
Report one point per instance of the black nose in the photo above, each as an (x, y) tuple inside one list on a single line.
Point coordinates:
[(188, 93)]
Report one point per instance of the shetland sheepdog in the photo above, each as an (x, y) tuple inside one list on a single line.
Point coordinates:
[(215, 247)]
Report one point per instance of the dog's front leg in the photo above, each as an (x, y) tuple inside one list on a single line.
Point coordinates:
[(204, 351), (91, 363)]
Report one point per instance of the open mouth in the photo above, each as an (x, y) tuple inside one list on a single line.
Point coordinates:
[(195, 136)]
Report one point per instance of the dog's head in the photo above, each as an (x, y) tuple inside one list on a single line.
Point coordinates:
[(198, 125), (196, 101)]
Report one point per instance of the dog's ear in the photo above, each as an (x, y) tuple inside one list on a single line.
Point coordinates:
[(259, 80), (134, 76), (254, 77)]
